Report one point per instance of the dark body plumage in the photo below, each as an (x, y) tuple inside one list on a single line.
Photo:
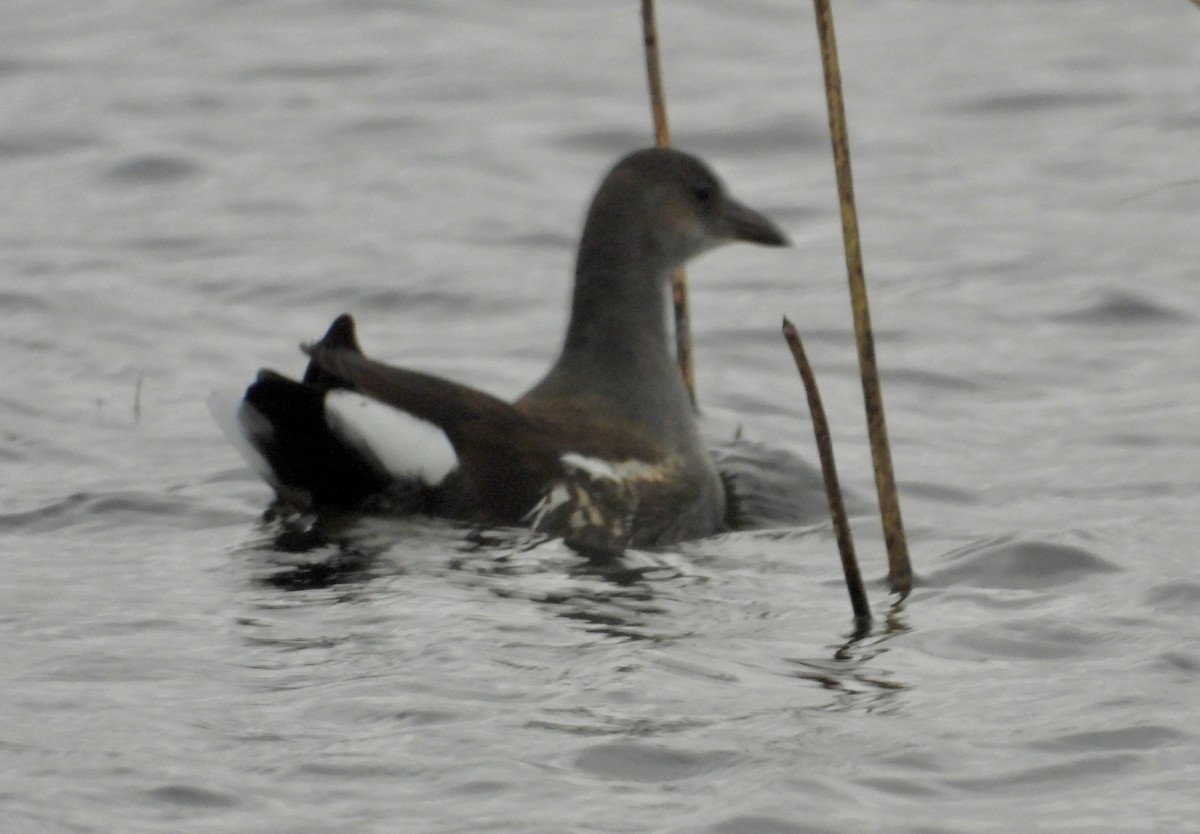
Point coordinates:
[(604, 450)]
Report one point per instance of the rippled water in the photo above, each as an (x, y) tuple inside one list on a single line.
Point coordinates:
[(192, 188)]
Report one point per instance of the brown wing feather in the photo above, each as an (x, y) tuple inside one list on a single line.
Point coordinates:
[(508, 455)]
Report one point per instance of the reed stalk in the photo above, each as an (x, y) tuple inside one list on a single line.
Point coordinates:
[(899, 567), (662, 139), (833, 491)]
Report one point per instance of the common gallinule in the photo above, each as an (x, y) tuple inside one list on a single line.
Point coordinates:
[(603, 451)]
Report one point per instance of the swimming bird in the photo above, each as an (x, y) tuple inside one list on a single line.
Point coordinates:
[(603, 451)]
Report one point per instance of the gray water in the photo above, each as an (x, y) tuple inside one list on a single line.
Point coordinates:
[(192, 188)]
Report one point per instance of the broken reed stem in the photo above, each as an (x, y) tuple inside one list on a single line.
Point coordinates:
[(833, 491), (899, 567), (662, 138)]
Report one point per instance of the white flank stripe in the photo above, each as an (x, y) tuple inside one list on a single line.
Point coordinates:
[(593, 466), (406, 446), (629, 469)]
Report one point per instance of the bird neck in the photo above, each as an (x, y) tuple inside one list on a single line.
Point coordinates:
[(616, 356), (619, 304)]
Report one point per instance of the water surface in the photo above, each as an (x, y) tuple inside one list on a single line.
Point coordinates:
[(191, 189)]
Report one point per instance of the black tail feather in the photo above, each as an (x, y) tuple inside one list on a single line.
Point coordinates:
[(339, 335), (309, 462)]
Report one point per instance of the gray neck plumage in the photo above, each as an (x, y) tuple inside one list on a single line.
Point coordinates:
[(619, 304), (616, 348)]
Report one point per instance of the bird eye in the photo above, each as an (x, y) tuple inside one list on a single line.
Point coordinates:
[(703, 193)]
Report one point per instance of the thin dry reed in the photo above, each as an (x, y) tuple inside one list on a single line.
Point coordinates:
[(662, 138), (899, 567)]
